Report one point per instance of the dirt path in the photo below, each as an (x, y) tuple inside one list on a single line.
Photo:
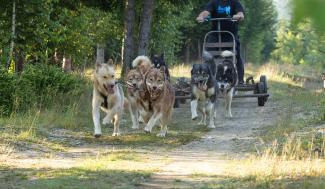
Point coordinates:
[(208, 156), (231, 139)]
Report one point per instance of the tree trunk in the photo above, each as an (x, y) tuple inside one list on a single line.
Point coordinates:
[(187, 52), (128, 42), (20, 61), (66, 64), (145, 27), (13, 33), (100, 57), (199, 49)]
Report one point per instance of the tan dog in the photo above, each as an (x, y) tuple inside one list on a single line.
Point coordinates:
[(137, 93), (162, 97), (108, 96)]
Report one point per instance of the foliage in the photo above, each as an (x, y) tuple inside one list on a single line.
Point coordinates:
[(37, 85), (6, 91), (257, 28), (313, 9), (299, 45)]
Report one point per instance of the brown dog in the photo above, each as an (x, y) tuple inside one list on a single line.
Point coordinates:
[(137, 93), (162, 97)]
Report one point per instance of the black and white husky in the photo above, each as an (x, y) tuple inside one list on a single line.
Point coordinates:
[(226, 79), (204, 90)]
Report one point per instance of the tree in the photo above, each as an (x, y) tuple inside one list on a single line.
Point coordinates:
[(128, 42), (145, 27)]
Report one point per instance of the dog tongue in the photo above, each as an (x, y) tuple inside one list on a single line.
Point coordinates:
[(203, 87)]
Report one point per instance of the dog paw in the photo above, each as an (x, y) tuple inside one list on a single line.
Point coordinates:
[(97, 135), (229, 115), (135, 127), (116, 134), (202, 123), (211, 126), (106, 121), (141, 120), (162, 134), (194, 117), (147, 130)]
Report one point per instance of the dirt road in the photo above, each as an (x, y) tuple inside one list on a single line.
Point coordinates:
[(208, 156)]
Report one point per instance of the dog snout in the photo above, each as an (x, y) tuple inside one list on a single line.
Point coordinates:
[(222, 86), (111, 86), (134, 85), (154, 87)]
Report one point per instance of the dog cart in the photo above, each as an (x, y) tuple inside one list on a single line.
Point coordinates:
[(258, 89)]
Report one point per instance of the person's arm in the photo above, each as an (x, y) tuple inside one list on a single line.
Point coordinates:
[(238, 8), (207, 11)]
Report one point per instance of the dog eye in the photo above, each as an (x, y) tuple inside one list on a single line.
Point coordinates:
[(113, 76), (105, 77)]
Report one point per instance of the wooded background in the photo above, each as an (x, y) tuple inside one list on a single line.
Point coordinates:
[(75, 33)]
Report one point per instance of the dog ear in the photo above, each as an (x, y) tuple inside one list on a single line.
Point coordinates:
[(97, 65), (110, 62), (162, 69)]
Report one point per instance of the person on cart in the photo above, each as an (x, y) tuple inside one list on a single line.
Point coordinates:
[(226, 9)]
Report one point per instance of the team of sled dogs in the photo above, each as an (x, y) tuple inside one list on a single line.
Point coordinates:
[(150, 96)]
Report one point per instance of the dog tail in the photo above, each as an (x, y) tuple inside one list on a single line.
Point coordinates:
[(143, 63), (226, 54)]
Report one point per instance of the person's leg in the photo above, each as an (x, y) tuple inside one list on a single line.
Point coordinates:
[(240, 63)]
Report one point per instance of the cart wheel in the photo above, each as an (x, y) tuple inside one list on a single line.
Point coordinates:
[(264, 80), (260, 89)]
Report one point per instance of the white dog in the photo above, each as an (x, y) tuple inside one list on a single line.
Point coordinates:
[(108, 96)]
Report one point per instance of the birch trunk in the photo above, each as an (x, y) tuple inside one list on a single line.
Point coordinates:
[(100, 55), (13, 34)]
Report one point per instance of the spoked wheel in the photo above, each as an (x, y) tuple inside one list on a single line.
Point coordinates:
[(262, 89)]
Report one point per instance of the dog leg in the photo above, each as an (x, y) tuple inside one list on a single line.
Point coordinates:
[(152, 122), (163, 130), (117, 118), (228, 103), (108, 118), (96, 116), (211, 110), (194, 109), (134, 115), (204, 116)]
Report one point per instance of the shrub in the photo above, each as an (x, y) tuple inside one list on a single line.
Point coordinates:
[(38, 85), (6, 92)]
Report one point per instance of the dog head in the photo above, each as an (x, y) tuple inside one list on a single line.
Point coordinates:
[(155, 82), (226, 75), (158, 61), (134, 80), (105, 76), (201, 75)]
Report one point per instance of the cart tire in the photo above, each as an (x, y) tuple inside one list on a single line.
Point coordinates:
[(264, 80), (260, 89)]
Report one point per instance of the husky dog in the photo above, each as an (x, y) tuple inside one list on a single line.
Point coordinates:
[(108, 96), (204, 90), (137, 93), (162, 98), (159, 61), (226, 79)]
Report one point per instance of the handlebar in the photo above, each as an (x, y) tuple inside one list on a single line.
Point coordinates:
[(207, 19)]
